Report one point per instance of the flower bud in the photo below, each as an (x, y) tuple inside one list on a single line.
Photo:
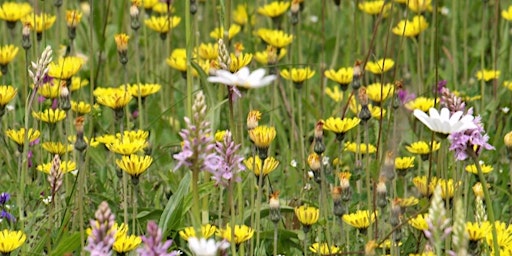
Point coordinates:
[(382, 193)]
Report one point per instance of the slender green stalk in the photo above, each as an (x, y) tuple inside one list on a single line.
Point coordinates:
[(276, 231), (233, 217), (257, 207), (134, 206)]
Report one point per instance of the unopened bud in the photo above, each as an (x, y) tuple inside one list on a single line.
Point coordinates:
[(382, 193), (275, 213), (314, 162)]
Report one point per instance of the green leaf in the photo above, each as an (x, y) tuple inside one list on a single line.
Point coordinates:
[(70, 243), (173, 211)]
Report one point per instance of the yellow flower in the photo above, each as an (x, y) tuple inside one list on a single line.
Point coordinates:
[(43, 21), (240, 15), (378, 93), (218, 33), (407, 202), (506, 14), (375, 7), (375, 111), (65, 167), (421, 103), (297, 75), (262, 136), (478, 190), (411, 28), (360, 148), (18, 136), (404, 163), (207, 231), (240, 61), (274, 9), (485, 168), (447, 187), (420, 6), (11, 240), (162, 8), (121, 42), (7, 93), (269, 56), (340, 126), (380, 66), (361, 219), (420, 183), (134, 134), (253, 117), (420, 222), (12, 12), (162, 24), (114, 98), (124, 146), (307, 215), (73, 17), (487, 74), (51, 90), (148, 4), (422, 147), (65, 68), (275, 38), (242, 233), (143, 90), (178, 59), (7, 53), (80, 107), (134, 165), (208, 51), (334, 93), (220, 135), (477, 231), (57, 148), (50, 115), (343, 76), (254, 164), (77, 83), (324, 249), (93, 143), (124, 244)]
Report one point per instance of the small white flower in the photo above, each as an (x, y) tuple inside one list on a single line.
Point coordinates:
[(313, 18), (47, 200), (203, 247), (325, 160), (311, 174), (307, 187), (243, 78), (442, 122), (293, 163), (505, 110), (445, 11)]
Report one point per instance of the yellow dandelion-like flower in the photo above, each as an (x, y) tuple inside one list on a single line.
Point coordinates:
[(207, 231), (378, 92), (12, 12), (162, 8), (297, 75), (361, 219), (11, 240), (81, 107), (420, 183), (7, 54), (506, 14), (334, 93), (275, 38), (380, 66), (114, 98), (77, 83), (219, 135), (242, 233), (18, 136), (240, 61), (488, 74), (421, 103), (50, 116), (178, 59), (375, 7), (125, 146), (360, 148), (134, 135), (477, 231), (307, 215), (342, 76), (420, 6), (51, 90), (7, 93), (262, 136), (106, 139), (407, 202), (143, 90), (240, 15), (478, 190), (65, 68), (274, 9), (253, 117), (375, 111), (134, 165), (121, 42), (411, 28), (447, 187), (208, 51), (254, 164), (57, 148), (419, 222), (269, 56), (485, 168), (73, 17), (162, 24), (422, 147), (124, 244), (340, 126), (404, 163), (43, 21), (65, 167), (324, 249), (218, 33), (93, 142)]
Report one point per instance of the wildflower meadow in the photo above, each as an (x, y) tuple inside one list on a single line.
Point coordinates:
[(255, 127)]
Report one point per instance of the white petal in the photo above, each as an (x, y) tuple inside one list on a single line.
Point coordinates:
[(433, 113), (423, 117), (445, 114), (455, 117), (243, 73)]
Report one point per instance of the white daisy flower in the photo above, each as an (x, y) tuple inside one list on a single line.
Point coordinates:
[(243, 78), (203, 247), (442, 122)]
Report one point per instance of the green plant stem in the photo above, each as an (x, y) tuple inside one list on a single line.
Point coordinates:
[(188, 43), (134, 207), (275, 238), (368, 182), (80, 196), (195, 195), (488, 202), (233, 217), (258, 206)]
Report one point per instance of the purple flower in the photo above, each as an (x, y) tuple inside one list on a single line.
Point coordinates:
[(153, 245), (441, 85), (4, 197), (231, 162), (405, 96), (462, 142), (101, 239), (6, 215)]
